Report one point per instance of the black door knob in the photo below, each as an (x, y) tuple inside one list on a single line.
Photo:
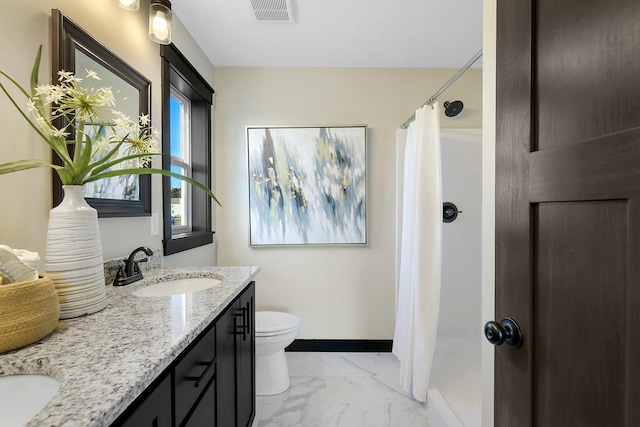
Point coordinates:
[(507, 331)]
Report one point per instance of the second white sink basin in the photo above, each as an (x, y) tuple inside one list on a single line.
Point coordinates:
[(177, 286), (23, 396)]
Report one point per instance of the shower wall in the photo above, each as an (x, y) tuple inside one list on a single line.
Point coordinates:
[(455, 381)]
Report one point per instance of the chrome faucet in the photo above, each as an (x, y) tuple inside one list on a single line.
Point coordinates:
[(130, 271)]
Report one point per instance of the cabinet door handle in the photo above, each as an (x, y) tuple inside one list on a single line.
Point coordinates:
[(198, 379), (245, 323), (248, 322), (243, 328)]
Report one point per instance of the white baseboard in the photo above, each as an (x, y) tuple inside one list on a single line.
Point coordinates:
[(439, 412)]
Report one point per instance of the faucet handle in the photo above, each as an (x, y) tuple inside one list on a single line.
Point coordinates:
[(121, 277), (136, 265)]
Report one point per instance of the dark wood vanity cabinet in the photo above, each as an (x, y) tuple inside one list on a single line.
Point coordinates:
[(235, 344), (212, 383)]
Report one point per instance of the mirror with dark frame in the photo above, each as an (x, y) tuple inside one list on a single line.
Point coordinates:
[(73, 49)]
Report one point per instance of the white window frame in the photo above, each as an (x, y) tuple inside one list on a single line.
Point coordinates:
[(185, 162)]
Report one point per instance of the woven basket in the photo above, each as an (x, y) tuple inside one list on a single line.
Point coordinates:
[(29, 311)]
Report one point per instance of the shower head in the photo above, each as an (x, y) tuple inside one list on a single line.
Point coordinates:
[(452, 108)]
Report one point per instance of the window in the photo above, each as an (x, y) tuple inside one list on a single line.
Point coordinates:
[(180, 113), (186, 138)]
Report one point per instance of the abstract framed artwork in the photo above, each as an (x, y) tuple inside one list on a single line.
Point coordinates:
[(307, 185)]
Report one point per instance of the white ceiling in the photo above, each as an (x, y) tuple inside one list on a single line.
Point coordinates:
[(338, 33)]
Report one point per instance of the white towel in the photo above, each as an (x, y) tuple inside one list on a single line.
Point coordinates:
[(18, 265)]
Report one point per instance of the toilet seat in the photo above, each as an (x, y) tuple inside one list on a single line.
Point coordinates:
[(276, 334), (271, 323)]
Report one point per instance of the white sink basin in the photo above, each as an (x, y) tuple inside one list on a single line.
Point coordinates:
[(177, 286), (23, 396)]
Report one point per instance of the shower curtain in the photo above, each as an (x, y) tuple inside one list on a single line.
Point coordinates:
[(419, 257)]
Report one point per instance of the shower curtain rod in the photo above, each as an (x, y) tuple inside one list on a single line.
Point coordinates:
[(445, 87)]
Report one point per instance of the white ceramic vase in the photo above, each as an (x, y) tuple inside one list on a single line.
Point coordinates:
[(74, 255)]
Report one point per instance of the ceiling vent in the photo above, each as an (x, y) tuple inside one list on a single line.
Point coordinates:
[(272, 10)]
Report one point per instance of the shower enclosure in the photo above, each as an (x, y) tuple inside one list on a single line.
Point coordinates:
[(454, 391)]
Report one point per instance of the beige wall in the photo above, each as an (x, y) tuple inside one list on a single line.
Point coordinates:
[(26, 196), (339, 292)]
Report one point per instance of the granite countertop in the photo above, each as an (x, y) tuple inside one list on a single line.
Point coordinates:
[(103, 361)]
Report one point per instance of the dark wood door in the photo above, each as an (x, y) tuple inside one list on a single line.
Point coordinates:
[(568, 212)]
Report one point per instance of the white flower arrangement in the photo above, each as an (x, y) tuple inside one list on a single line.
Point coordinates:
[(107, 142)]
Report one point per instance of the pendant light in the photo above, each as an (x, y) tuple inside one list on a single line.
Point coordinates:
[(128, 4), (160, 21)]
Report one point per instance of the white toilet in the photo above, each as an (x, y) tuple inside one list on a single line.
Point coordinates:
[(274, 331)]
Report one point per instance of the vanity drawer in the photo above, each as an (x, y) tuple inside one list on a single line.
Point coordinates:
[(193, 373), (151, 409)]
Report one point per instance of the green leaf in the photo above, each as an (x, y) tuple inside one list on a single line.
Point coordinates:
[(65, 176), (64, 155), (16, 84), (86, 154), (106, 157), (13, 101), (118, 160), (57, 144), (148, 171), (20, 165), (34, 71), (77, 149)]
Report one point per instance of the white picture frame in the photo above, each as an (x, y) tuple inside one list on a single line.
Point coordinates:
[(307, 185)]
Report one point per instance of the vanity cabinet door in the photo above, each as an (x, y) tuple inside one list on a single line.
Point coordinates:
[(226, 367), (245, 354), (204, 414), (154, 410), (235, 352)]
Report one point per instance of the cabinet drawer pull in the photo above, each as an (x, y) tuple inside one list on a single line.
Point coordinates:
[(204, 374)]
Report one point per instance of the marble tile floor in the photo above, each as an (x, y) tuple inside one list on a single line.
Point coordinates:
[(341, 390)]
